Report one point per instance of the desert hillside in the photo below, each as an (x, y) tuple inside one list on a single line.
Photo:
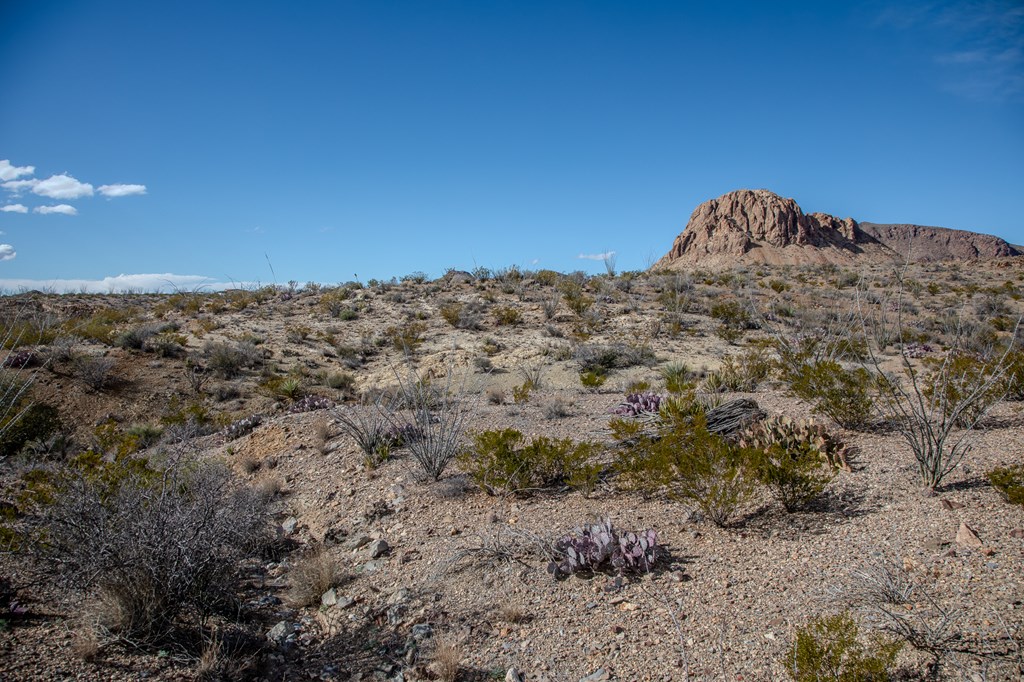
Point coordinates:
[(750, 417)]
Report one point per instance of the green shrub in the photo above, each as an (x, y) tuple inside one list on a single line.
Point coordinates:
[(796, 461), (686, 460), (1009, 481), (500, 462), (743, 373), (677, 378), (839, 393), (828, 649), (505, 316), (37, 422), (407, 337), (593, 380), (227, 361)]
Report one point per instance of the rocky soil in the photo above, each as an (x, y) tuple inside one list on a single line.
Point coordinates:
[(440, 573)]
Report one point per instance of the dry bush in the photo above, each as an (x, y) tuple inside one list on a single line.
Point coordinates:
[(94, 371), (510, 612), (312, 574), (160, 544)]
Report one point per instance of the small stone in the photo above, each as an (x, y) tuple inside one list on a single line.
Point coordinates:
[(379, 548), (965, 535), (951, 505), (289, 525), (421, 631), (513, 675), (599, 675), (345, 601), (360, 541), (329, 598), (1017, 533), (618, 629), (280, 632)]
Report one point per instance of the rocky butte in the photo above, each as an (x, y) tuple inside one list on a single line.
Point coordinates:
[(760, 227)]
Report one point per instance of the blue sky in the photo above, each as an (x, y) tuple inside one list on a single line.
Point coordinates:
[(381, 138)]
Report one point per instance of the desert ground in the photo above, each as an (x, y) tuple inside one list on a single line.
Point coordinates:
[(370, 569)]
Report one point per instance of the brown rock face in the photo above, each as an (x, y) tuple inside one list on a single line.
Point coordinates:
[(758, 226)]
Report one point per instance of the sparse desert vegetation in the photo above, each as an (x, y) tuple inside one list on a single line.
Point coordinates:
[(805, 472)]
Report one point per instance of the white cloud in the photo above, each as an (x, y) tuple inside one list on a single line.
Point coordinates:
[(7, 252), (165, 282), (14, 208), (62, 187), (596, 256), (16, 186), (63, 209), (10, 172), (121, 190)]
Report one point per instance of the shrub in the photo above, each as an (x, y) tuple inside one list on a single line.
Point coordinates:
[(227, 361), (94, 371), (370, 429), (839, 393), (162, 543), (790, 462), (407, 337), (1009, 481), (828, 649), (686, 460), (438, 414), (521, 393), (603, 359), (505, 316), (340, 381), (462, 315), (600, 546), (676, 376), (743, 373), (593, 380), (36, 422), (500, 462)]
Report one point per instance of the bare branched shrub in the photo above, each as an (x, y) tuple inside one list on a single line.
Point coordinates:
[(155, 543), (94, 371), (937, 412)]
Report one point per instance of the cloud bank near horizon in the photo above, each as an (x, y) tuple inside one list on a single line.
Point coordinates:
[(136, 283)]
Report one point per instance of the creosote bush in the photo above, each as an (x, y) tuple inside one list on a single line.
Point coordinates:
[(685, 460), (500, 461), (828, 649), (1009, 481), (841, 394)]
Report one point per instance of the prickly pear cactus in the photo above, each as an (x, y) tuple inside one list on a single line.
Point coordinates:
[(639, 405), (597, 546), (793, 435)]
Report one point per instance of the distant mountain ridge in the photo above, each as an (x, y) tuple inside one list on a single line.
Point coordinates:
[(759, 226)]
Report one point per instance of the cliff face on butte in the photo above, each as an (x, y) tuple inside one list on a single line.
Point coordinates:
[(758, 226)]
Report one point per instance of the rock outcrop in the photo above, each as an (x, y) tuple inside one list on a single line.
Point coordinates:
[(758, 226)]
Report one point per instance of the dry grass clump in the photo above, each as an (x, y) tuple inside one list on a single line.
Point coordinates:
[(510, 612), (445, 660), (313, 573)]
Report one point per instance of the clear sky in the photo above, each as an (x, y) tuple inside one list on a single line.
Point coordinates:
[(380, 138)]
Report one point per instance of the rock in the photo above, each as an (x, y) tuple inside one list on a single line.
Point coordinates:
[(289, 525), (513, 675), (758, 226), (345, 601), (280, 632), (951, 505), (967, 537), (600, 675), (379, 548), (329, 598), (1017, 533), (360, 541), (421, 631)]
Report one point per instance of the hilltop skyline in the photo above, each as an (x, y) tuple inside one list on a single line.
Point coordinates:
[(324, 142)]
